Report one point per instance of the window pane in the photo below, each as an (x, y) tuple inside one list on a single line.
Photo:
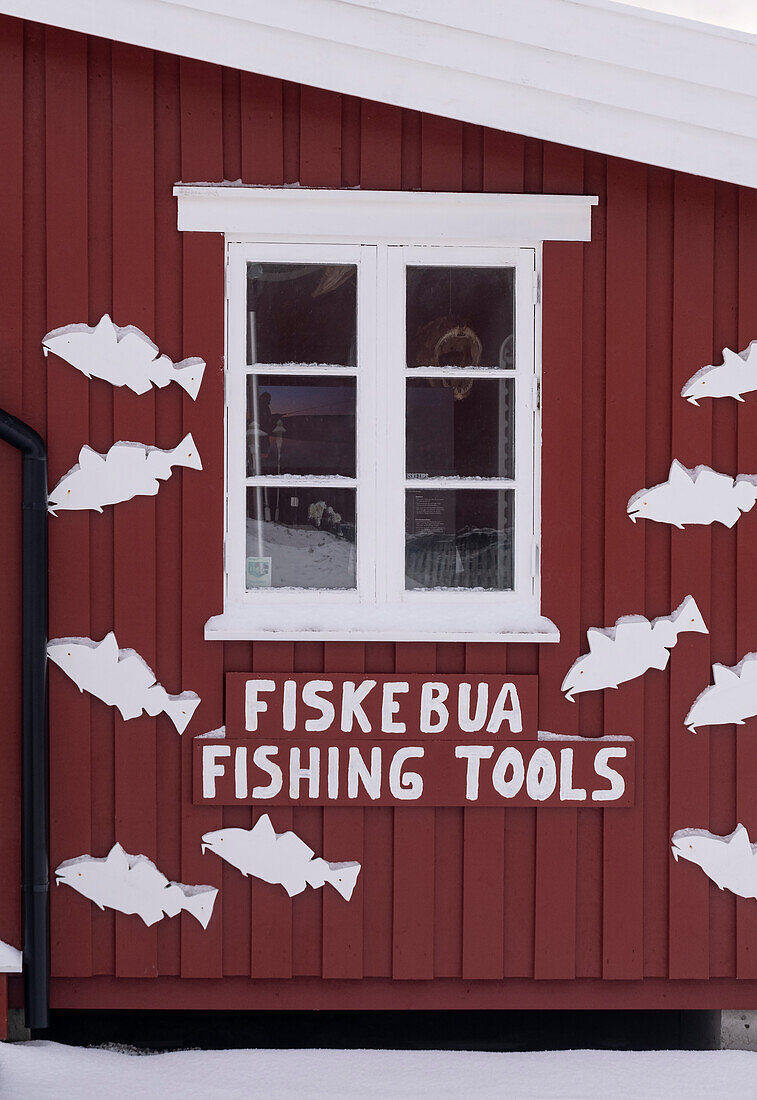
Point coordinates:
[(302, 313), (300, 425), (460, 317), (464, 429), (459, 538), (300, 537)]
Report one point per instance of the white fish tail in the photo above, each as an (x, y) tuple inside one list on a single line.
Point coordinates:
[(186, 454), (200, 904), (188, 373), (180, 708), (343, 877)]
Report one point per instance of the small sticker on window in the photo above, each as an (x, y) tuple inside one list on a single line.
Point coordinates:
[(258, 572)]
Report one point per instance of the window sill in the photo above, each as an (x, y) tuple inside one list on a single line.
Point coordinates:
[(410, 621)]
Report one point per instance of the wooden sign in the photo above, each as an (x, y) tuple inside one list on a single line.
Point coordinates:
[(314, 740)]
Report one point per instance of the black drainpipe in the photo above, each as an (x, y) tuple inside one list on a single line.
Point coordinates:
[(34, 809)]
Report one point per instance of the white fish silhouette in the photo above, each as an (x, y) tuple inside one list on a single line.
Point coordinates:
[(133, 884), (127, 470), (628, 649), (699, 495), (121, 678), (730, 699), (279, 858), (736, 375), (122, 356), (730, 861)]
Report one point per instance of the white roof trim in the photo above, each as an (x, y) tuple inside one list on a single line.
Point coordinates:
[(393, 217), (589, 73)]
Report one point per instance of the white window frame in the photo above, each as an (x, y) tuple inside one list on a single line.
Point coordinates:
[(382, 232)]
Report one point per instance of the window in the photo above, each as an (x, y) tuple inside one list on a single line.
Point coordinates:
[(383, 421)]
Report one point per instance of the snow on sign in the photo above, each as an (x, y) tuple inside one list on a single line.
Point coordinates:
[(393, 741)]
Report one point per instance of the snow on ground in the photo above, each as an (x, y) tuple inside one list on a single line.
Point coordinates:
[(43, 1071)]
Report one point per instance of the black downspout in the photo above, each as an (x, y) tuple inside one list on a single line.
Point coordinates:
[(34, 808)]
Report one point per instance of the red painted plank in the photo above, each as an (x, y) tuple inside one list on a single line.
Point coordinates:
[(504, 162), (343, 841), (262, 129), (68, 414), (484, 860), (380, 146), (271, 907), (556, 830), (320, 136), (690, 571), (723, 575), (657, 556), (168, 337), (413, 924), (202, 499), (746, 610), (11, 399), (134, 530), (625, 434), (441, 154), (307, 823), (101, 594)]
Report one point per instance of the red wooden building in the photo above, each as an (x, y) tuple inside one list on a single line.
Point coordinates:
[(479, 243)]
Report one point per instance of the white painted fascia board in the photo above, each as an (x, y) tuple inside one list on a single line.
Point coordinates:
[(598, 76), (389, 217)]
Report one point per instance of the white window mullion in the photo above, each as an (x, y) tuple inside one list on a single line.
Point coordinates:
[(367, 427), (393, 326), (524, 419)]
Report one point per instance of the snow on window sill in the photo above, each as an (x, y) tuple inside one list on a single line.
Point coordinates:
[(473, 620)]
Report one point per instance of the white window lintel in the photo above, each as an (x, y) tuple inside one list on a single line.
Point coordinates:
[(382, 217)]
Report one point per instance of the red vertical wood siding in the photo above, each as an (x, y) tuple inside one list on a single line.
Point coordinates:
[(464, 895)]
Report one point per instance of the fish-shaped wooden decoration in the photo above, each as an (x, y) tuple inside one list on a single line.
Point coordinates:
[(279, 858), (127, 470), (121, 678), (122, 356), (730, 861), (730, 699), (133, 884), (699, 495), (628, 649), (735, 376)]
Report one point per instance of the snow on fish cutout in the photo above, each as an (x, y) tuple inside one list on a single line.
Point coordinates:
[(11, 961), (121, 356), (630, 648), (279, 858), (699, 495), (730, 861), (736, 375), (121, 678), (730, 699), (133, 884), (127, 470)]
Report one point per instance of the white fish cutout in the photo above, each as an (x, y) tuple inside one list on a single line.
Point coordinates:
[(630, 648), (730, 699), (11, 959), (133, 884), (730, 861), (127, 470), (122, 356), (736, 375), (279, 858), (121, 678), (699, 495)]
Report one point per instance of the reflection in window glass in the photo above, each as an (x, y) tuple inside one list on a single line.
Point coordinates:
[(302, 313), (460, 317), (300, 425), (300, 537), (468, 434), (459, 538)]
